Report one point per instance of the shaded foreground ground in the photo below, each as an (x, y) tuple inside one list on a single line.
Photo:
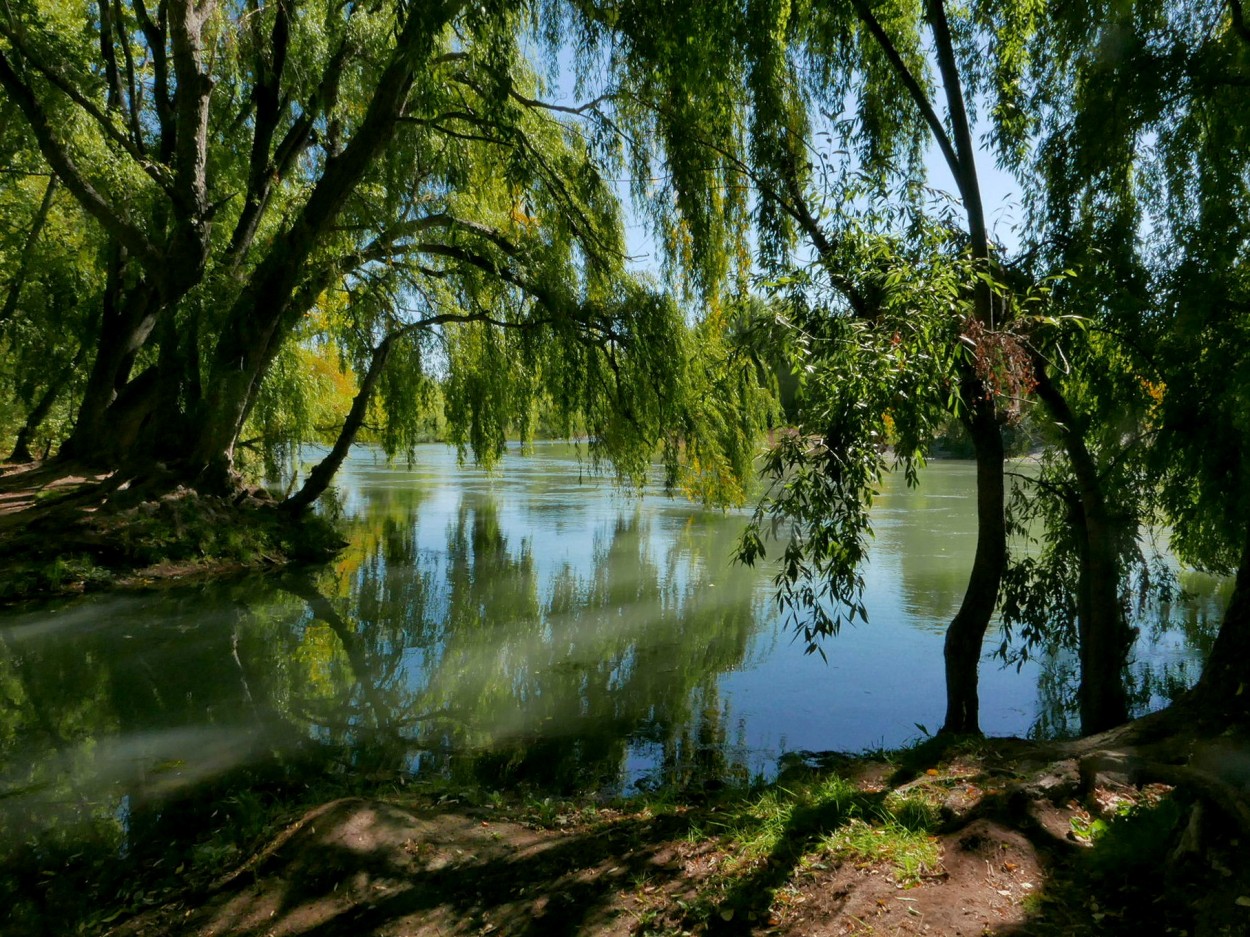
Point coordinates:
[(1000, 837)]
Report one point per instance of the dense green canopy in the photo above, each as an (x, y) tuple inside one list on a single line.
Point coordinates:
[(235, 226), (268, 189)]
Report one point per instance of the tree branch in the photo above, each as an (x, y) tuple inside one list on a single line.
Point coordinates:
[(1239, 19), (133, 88), (918, 95), (102, 120), (127, 234), (965, 171)]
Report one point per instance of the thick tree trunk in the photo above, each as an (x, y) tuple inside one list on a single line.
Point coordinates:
[(966, 632), (1222, 695), (319, 478), (126, 321)]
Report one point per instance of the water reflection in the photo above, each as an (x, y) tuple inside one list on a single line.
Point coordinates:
[(518, 629), (476, 665)]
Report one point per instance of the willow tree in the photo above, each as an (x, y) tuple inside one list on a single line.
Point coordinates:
[(50, 290), (251, 166), (733, 102), (1139, 180)]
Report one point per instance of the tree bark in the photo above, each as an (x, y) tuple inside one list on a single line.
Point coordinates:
[(1222, 695), (1103, 635)]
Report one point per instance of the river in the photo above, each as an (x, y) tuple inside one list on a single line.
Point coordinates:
[(533, 627)]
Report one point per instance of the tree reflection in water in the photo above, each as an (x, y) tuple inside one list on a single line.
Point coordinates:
[(473, 664), (530, 634)]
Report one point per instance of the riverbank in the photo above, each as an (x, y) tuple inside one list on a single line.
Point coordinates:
[(64, 531), (975, 837)]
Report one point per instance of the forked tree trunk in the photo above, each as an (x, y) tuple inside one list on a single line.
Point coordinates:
[(126, 321)]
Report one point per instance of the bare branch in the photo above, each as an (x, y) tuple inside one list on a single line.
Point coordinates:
[(578, 111), (910, 82)]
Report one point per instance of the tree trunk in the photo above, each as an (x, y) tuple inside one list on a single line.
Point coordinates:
[(1223, 693), (1103, 636), (319, 478), (126, 321), (41, 409), (262, 317), (954, 138), (966, 632), (28, 251)]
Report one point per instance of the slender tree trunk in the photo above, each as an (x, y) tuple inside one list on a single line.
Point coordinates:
[(1104, 637), (28, 250), (966, 632), (39, 412), (954, 138), (319, 478)]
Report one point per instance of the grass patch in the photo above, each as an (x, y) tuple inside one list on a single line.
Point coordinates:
[(911, 853), (831, 819), (177, 534)]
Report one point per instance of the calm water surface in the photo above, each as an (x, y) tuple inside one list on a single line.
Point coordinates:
[(533, 627)]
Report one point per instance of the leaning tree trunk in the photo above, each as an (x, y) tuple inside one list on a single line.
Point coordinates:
[(966, 632), (39, 412), (319, 478), (1222, 695), (18, 281)]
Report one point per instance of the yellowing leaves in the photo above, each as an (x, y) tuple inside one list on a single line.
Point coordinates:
[(521, 217)]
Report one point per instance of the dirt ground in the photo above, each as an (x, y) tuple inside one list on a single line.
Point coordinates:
[(366, 867), (1012, 862)]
